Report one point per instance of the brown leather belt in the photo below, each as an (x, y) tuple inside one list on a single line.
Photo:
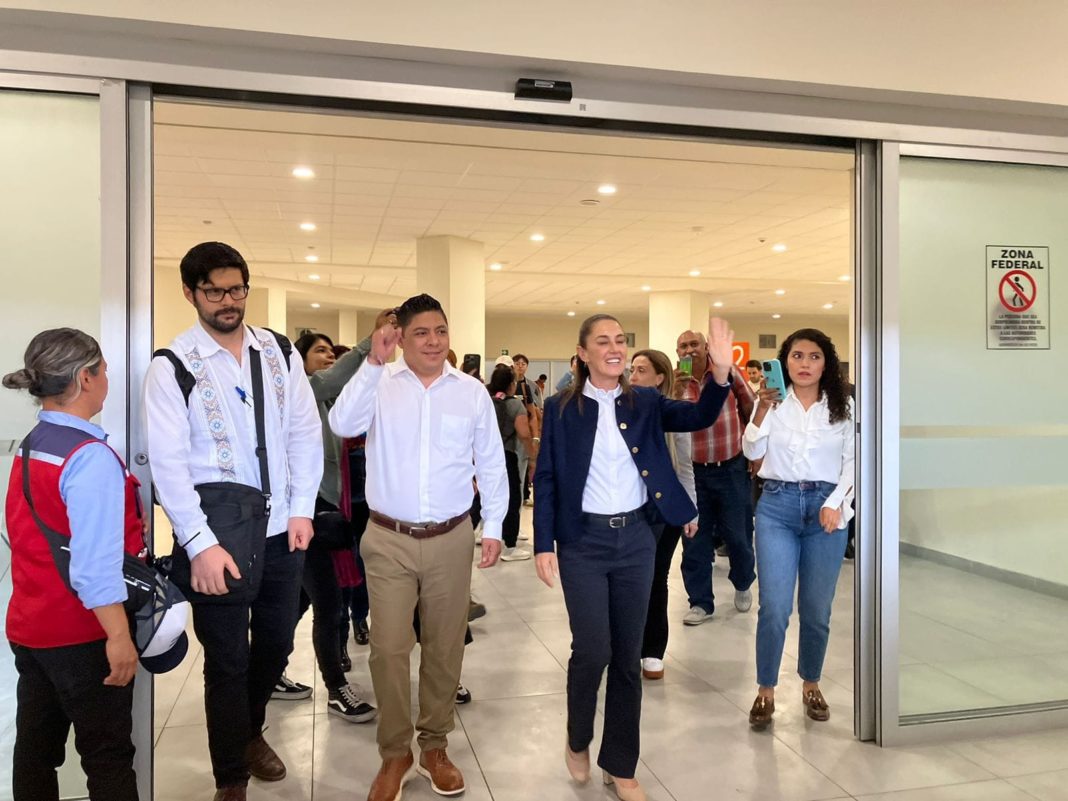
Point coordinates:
[(419, 531)]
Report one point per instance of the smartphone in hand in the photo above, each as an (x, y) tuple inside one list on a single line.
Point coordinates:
[(773, 378), (686, 365)]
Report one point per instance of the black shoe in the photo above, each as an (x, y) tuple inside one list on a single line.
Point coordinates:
[(362, 634), (463, 695), (475, 611), (286, 690), (347, 703), (346, 660), (851, 549)]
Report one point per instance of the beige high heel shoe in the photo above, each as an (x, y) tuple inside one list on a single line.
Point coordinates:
[(578, 763), (635, 793)]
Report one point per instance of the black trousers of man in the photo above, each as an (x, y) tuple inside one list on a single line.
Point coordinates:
[(246, 648), (59, 687)]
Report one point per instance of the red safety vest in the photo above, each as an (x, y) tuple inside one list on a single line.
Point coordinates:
[(43, 612)]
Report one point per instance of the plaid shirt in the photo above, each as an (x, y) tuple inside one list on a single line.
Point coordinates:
[(723, 439)]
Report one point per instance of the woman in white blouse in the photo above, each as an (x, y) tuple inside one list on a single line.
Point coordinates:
[(806, 442)]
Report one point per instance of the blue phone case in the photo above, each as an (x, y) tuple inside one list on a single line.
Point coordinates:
[(773, 377)]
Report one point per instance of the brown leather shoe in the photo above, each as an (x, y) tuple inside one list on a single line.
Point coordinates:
[(445, 777), (815, 705), (389, 783), (231, 794), (760, 714), (263, 762)]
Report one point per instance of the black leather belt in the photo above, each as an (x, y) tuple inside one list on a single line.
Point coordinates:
[(615, 521)]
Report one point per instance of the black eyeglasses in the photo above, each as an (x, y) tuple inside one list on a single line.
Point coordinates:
[(215, 294)]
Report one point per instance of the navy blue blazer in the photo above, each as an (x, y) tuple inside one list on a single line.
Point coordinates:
[(567, 450)]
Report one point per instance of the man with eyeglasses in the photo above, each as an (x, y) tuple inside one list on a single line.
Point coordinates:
[(235, 445)]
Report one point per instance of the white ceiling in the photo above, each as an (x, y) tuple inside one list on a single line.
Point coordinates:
[(381, 184)]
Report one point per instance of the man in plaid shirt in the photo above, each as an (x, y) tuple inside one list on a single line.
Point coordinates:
[(723, 488)]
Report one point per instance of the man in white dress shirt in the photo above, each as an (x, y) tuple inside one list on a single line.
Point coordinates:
[(430, 430), (208, 438)]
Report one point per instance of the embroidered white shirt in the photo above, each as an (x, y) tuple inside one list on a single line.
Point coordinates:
[(799, 445), (425, 444), (214, 437), (613, 485)]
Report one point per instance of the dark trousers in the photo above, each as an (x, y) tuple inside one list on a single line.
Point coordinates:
[(354, 600), (59, 687), (246, 648), (656, 623), (723, 503), (510, 530), (606, 576)]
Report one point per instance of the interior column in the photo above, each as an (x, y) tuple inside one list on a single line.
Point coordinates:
[(671, 313), (346, 327), (452, 269)]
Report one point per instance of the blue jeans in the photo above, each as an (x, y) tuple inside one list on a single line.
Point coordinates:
[(793, 550), (723, 498)]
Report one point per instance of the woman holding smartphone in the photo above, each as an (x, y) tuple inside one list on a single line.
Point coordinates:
[(806, 442), (652, 368), (604, 472)]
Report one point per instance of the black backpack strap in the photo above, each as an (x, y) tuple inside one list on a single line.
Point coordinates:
[(185, 379), (58, 544), (284, 344), (256, 368)]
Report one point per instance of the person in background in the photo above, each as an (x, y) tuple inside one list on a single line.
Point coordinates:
[(754, 372), (515, 429), (568, 378), (604, 472), (417, 548), (74, 652), (806, 441), (723, 488), (652, 368), (525, 392), (539, 391)]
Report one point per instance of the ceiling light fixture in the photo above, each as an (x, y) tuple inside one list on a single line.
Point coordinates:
[(694, 273), (828, 305), (600, 302), (303, 172), (313, 277), (718, 304), (570, 314), (496, 266), (537, 237), (776, 316), (315, 305), (311, 257), (780, 291), (843, 278), (606, 189), (307, 226), (646, 288), (779, 248)]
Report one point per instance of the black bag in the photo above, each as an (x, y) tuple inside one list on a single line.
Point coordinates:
[(238, 516)]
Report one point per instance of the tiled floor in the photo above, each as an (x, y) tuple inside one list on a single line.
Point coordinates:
[(696, 744)]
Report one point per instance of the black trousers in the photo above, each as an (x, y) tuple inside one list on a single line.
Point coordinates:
[(59, 687), (510, 529), (246, 648), (606, 576), (656, 623), (355, 602)]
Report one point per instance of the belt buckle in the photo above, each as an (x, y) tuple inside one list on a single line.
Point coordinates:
[(619, 521), (413, 529)]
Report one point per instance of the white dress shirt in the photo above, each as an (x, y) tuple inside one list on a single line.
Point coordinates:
[(425, 444), (613, 485), (213, 438), (799, 445)]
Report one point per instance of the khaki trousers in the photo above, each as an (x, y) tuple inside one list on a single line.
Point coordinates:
[(434, 575)]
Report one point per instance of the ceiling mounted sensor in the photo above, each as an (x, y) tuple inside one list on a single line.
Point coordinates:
[(543, 89), (590, 201)]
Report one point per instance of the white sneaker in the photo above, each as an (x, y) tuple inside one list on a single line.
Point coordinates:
[(514, 555), (524, 536), (653, 669), (696, 616), (743, 600)]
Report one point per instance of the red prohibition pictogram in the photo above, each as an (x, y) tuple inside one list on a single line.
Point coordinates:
[(1017, 291)]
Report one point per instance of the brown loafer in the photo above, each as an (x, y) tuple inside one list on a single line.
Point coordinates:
[(263, 762), (760, 714), (389, 783), (231, 794), (445, 777), (815, 705)]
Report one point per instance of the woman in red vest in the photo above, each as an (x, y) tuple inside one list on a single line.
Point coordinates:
[(73, 647)]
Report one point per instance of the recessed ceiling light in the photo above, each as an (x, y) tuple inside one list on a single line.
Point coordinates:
[(315, 305), (828, 305), (600, 303), (779, 248), (537, 237), (570, 314), (311, 257), (718, 304), (776, 316), (843, 278), (303, 172), (307, 226), (694, 273), (780, 291), (496, 266), (313, 277), (646, 288), (607, 189)]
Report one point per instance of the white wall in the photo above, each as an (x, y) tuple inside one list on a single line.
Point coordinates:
[(984, 450), (953, 47)]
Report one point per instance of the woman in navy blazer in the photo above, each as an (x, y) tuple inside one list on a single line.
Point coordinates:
[(603, 473)]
